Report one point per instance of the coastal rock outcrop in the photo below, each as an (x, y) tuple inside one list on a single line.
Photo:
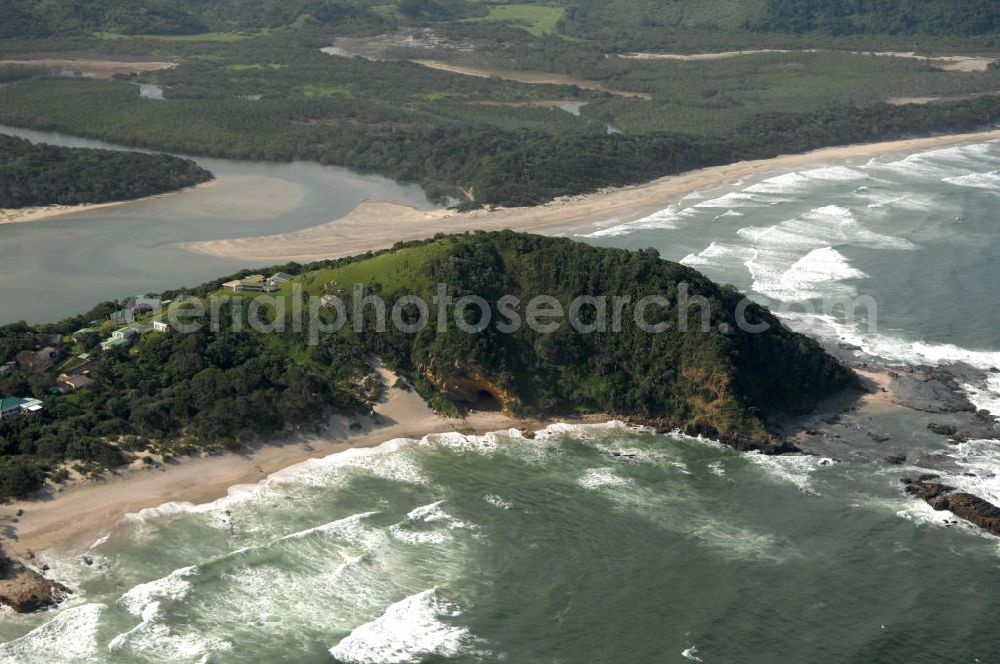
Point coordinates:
[(966, 506), (25, 590)]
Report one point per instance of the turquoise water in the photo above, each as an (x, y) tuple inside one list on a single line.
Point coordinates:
[(587, 544)]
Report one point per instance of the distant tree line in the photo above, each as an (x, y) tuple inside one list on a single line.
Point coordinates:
[(41, 174)]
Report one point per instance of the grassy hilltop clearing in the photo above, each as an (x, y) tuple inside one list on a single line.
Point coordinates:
[(175, 393), (471, 98)]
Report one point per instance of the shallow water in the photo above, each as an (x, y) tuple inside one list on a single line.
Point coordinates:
[(589, 544), (65, 265)]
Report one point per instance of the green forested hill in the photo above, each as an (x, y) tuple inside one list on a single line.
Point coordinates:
[(592, 19), (33, 175), (846, 17), (182, 392)]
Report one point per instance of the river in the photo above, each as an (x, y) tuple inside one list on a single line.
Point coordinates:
[(64, 265)]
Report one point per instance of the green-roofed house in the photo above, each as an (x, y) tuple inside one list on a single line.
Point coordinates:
[(281, 278), (16, 406), (122, 338)]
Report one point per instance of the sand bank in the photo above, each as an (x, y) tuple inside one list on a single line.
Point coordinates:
[(377, 225), (962, 63), (28, 214), (92, 67), (72, 519), (530, 77)]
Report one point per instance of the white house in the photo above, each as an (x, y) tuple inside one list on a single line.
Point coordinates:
[(11, 406)]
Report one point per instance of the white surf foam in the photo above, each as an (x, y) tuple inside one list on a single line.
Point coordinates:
[(989, 181), (70, 636), (597, 478), (409, 531), (408, 631), (668, 219), (986, 395), (717, 254), (785, 264), (792, 468), (691, 654), (498, 501), (812, 276), (173, 587), (741, 199)]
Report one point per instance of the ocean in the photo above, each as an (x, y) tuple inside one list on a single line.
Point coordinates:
[(601, 543)]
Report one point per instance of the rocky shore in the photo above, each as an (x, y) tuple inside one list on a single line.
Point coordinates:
[(966, 506), (25, 589)]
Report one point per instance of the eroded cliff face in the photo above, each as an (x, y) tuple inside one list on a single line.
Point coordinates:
[(470, 385)]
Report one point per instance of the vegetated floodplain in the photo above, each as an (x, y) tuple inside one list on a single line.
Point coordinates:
[(199, 37), (256, 86)]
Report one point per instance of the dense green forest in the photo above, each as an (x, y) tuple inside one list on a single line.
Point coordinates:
[(252, 84), (492, 165), (174, 394), (845, 17), (259, 88), (32, 175), (177, 393)]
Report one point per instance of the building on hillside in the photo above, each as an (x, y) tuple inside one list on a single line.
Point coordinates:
[(281, 277), (17, 406), (82, 332), (72, 383), (121, 338), (123, 317), (142, 304), (255, 283), (161, 326)]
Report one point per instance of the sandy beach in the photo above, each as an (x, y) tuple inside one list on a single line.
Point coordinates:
[(94, 67), (29, 214), (376, 225), (73, 518), (960, 63)]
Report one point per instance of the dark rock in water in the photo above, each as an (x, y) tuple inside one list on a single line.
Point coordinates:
[(25, 590), (88, 560), (528, 433), (765, 444), (879, 437), (972, 508), (896, 459), (942, 429), (927, 477), (935, 389)]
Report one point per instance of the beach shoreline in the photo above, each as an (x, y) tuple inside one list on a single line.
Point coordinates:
[(71, 518), (44, 212), (375, 225)]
